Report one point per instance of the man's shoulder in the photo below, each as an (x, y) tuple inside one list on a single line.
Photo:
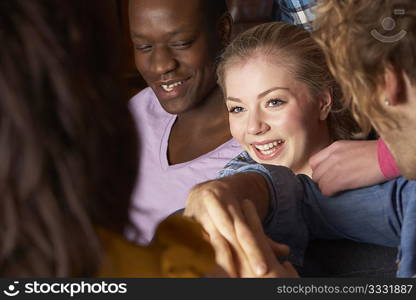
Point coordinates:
[(143, 98), (146, 103)]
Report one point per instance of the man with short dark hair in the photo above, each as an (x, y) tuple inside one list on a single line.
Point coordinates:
[(183, 121)]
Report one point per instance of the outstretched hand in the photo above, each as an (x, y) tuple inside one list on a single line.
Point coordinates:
[(270, 249), (234, 226)]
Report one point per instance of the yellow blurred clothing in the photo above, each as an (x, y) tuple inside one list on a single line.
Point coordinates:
[(179, 249)]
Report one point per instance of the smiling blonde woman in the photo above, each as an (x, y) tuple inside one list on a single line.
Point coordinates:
[(282, 103)]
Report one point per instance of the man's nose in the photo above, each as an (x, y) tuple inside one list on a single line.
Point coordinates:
[(162, 61), (256, 124)]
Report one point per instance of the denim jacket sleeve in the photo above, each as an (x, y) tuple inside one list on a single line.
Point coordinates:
[(284, 222), (383, 214), (372, 214)]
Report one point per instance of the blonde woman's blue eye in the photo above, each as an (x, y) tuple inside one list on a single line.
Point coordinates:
[(236, 109), (275, 102)]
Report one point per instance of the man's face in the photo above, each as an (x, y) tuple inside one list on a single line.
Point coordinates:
[(174, 50)]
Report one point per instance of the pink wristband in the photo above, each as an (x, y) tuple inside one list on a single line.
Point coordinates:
[(386, 161)]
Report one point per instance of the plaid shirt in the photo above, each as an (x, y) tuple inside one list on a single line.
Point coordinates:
[(298, 12)]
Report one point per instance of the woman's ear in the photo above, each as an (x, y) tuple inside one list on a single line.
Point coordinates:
[(325, 106), (225, 27), (394, 86)]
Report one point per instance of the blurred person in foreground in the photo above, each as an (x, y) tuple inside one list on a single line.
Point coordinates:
[(69, 152)]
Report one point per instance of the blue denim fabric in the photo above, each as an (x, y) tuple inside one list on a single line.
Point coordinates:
[(284, 225), (383, 214), (298, 12)]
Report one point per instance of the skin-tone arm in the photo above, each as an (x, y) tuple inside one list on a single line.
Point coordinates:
[(270, 249), (346, 165), (217, 205)]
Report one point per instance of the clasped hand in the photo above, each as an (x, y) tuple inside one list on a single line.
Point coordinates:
[(235, 231)]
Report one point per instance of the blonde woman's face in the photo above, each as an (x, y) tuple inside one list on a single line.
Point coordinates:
[(274, 116)]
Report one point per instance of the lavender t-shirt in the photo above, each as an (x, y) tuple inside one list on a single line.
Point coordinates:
[(161, 189)]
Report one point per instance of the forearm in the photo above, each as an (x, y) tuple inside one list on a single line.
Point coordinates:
[(247, 185), (217, 205), (275, 190)]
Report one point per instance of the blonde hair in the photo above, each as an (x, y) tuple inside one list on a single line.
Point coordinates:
[(294, 47), (359, 46)]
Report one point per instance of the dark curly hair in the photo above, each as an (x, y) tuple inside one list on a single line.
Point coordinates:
[(68, 146)]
